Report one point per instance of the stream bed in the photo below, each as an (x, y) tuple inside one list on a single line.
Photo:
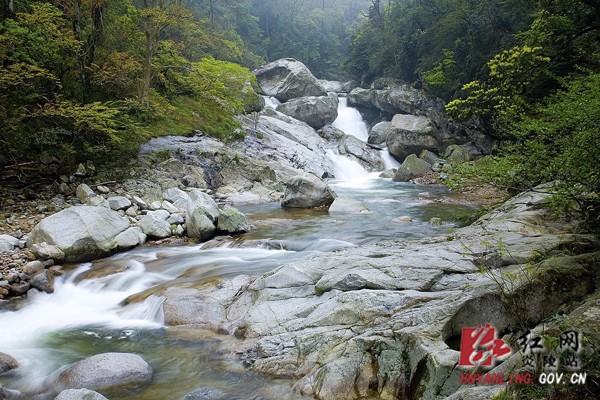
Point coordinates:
[(87, 314)]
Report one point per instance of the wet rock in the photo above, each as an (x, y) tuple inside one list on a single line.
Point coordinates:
[(111, 374), (20, 287), (345, 205), (155, 225), (369, 158), (45, 251), (43, 281), (287, 79), (33, 267), (119, 203), (378, 133), (307, 191), (411, 134), (84, 192), (205, 393), (82, 233), (232, 221), (7, 363), (404, 219), (435, 221), (411, 167), (79, 394), (315, 111), (331, 133), (8, 243)]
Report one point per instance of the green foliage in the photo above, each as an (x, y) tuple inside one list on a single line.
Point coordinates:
[(444, 77)]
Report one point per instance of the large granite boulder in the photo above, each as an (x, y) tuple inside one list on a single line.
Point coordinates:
[(82, 233), (411, 167), (201, 215), (287, 79), (111, 374), (307, 191), (411, 134), (315, 111)]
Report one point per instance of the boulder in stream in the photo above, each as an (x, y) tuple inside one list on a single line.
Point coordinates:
[(307, 191), (201, 215), (79, 394), (411, 167), (82, 233), (315, 111), (411, 134), (111, 374), (7, 363)]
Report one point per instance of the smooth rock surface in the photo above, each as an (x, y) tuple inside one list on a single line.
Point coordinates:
[(345, 205), (111, 374), (307, 191), (79, 394), (315, 111), (232, 221), (7, 363), (154, 224), (287, 79), (411, 167), (82, 233), (411, 134)]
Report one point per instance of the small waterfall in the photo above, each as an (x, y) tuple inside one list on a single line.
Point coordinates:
[(390, 162), (346, 169), (350, 121), (271, 102)]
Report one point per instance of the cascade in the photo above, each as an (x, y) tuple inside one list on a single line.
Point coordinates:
[(350, 121), (271, 102)]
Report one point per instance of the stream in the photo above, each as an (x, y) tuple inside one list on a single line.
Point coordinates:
[(86, 314)]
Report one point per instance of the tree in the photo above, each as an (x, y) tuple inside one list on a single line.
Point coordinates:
[(155, 16)]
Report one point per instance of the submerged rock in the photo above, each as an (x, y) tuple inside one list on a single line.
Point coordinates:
[(307, 191), (111, 374), (345, 205), (7, 363), (79, 394)]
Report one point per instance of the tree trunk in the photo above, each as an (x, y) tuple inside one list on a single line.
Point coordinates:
[(145, 86)]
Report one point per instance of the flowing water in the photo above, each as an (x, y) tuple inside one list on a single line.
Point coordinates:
[(90, 312)]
